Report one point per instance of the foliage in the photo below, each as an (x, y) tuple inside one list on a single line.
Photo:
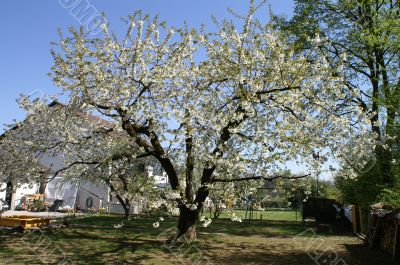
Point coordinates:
[(295, 191), (38, 206), (102, 211), (363, 38), (331, 191), (390, 197), (221, 196), (361, 191)]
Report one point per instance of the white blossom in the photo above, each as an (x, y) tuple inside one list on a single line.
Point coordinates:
[(250, 104)]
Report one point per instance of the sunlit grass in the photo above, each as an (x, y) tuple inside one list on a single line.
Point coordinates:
[(276, 215)]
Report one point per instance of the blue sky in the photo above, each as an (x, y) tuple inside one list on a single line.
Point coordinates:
[(27, 29)]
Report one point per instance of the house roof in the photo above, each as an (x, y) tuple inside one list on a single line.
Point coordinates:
[(90, 117)]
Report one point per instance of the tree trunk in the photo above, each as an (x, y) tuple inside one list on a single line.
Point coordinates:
[(42, 185), (217, 212), (188, 218), (9, 192), (127, 209), (384, 158), (186, 230), (126, 205)]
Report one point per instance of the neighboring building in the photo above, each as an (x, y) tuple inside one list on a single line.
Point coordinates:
[(160, 177), (3, 187), (76, 195), (90, 195)]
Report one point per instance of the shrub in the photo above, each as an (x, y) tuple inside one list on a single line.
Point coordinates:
[(390, 197)]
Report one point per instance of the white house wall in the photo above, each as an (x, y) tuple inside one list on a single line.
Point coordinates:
[(3, 186), (57, 189), (348, 212), (161, 179), (25, 189), (98, 193), (54, 162), (20, 191)]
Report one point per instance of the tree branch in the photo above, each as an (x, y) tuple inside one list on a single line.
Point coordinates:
[(56, 173), (214, 180)]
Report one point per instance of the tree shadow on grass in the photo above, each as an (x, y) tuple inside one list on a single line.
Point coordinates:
[(91, 246), (284, 254), (242, 254), (361, 255)]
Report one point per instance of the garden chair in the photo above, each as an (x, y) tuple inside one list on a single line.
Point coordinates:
[(55, 206)]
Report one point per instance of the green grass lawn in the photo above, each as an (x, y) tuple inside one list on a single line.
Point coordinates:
[(94, 240), (277, 215)]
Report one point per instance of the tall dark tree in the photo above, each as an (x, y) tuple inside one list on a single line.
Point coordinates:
[(364, 36)]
